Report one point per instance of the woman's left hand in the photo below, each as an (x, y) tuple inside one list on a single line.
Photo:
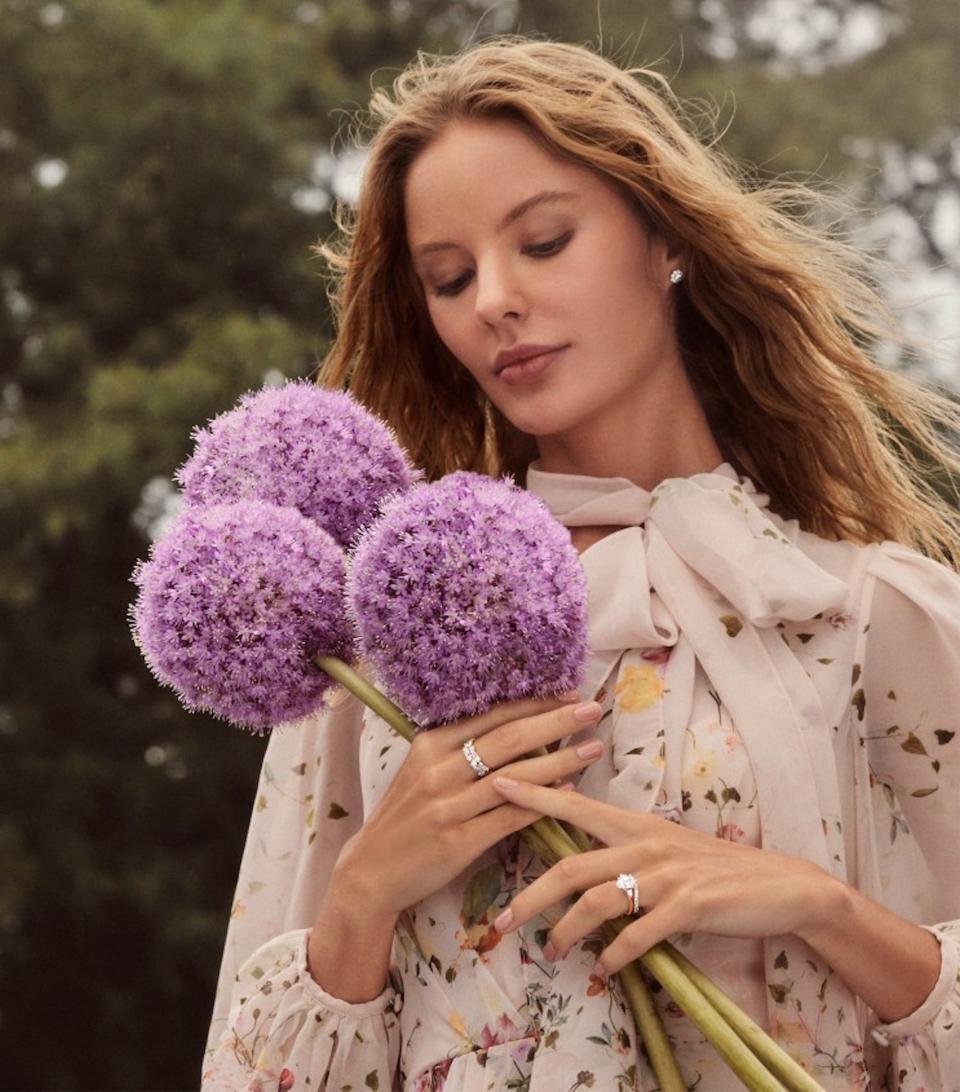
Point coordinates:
[(688, 882)]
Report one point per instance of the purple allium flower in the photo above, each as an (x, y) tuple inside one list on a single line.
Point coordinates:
[(467, 592), (233, 603), (303, 447)]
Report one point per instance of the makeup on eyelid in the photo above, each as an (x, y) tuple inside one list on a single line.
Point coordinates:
[(520, 210), (538, 251)]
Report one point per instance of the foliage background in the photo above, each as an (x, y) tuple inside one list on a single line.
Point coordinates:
[(164, 167)]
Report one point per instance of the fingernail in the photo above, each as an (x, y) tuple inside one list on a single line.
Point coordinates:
[(591, 749), (567, 786), (505, 782), (599, 970), (504, 921), (550, 951), (570, 695), (587, 712)]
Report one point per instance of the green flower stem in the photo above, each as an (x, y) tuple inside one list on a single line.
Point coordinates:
[(550, 841), (651, 1029), (738, 1056), (723, 1023), (565, 831), (537, 844), (576, 835), (698, 995), (371, 697), (645, 1014), (747, 1066), (774, 1057)]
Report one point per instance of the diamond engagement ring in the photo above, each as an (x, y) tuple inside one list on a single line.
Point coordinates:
[(470, 754), (628, 885)]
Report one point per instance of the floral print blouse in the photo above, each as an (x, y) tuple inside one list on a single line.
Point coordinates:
[(758, 682)]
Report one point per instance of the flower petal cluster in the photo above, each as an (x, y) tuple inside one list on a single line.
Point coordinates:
[(465, 593), (300, 446), (233, 604)]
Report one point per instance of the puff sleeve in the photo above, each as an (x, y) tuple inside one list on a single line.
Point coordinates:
[(273, 1027), (909, 723)]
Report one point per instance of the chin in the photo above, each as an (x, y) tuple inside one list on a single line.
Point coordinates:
[(534, 425), (547, 422)]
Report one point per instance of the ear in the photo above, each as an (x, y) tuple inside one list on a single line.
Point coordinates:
[(667, 254)]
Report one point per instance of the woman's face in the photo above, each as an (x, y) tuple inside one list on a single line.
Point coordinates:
[(516, 249)]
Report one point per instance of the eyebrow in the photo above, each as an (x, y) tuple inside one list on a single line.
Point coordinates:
[(542, 198)]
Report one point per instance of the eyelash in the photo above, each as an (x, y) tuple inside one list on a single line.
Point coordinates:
[(541, 250)]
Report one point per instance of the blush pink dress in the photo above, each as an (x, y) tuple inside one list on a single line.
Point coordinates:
[(759, 683)]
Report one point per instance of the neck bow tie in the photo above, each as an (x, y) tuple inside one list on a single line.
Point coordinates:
[(701, 572)]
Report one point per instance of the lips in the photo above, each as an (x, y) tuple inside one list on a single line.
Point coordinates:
[(520, 353)]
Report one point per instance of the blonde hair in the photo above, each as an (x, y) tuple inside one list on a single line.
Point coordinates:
[(775, 318)]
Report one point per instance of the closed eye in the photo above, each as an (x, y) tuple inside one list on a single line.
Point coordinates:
[(545, 250), (453, 288), (538, 250)]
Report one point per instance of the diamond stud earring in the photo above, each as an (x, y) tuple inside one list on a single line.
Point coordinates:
[(676, 276)]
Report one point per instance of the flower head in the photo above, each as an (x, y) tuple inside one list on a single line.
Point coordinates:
[(233, 603), (467, 592), (303, 447)]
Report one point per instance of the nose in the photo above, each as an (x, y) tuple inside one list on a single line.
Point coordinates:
[(499, 292)]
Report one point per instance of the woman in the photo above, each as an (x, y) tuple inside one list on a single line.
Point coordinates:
[(547, 276)]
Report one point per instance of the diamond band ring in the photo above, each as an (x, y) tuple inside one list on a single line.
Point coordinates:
[(628, 885), (470, 754)]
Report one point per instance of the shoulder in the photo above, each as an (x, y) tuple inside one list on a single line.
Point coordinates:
[(903, 573), (884, 579), (911, 605), (898, 604)]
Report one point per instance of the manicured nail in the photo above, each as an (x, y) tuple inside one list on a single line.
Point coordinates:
[(505, 782), (593, 748), (587, 712), (504, 921), (550, 951)]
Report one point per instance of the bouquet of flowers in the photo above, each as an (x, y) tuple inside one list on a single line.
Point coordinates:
[(308, 542)]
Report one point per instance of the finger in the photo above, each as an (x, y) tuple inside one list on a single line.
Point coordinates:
[(488, 828), (594, 907), (481, 796), (610, 824), (581, 872), (458, 733), (640, 936), (510, 741)]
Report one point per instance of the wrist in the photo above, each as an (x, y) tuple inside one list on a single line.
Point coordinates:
[(888, 961), (345, 925), (353, 897), (828, 908)]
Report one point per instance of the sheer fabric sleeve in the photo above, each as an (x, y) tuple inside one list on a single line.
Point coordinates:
[(909, 712), (273, 1027)]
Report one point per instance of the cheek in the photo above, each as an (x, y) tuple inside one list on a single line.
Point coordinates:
[(451, 320), (448, 332), (633, 307), (455, 333)]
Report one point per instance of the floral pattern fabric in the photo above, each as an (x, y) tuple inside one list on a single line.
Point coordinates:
[(758, 683)]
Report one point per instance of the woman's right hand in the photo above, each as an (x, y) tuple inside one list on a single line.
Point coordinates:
[(437, 816)]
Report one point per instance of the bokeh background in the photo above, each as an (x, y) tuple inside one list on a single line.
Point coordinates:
[(165, 166)]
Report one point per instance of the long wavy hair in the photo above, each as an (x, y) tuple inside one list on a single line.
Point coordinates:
[(775, 319)]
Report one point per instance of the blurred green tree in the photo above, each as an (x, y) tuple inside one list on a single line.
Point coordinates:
[(164, 167), (161, 181)]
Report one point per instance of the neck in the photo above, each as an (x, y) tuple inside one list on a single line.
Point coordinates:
[(677, 443)]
